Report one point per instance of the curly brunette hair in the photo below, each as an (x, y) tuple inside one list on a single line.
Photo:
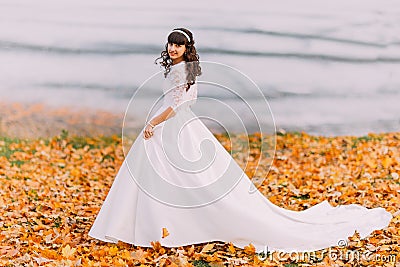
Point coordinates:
[(190, 55)]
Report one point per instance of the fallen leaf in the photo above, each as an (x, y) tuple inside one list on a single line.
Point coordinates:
[(207, 248), (250, 249), (68, 252), (165, 232)]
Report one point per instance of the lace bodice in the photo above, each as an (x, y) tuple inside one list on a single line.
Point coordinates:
[(174, 88)]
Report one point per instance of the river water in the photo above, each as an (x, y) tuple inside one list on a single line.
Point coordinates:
[(328, 68)]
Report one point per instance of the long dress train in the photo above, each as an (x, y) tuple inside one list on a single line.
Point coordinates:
[(184, 180)]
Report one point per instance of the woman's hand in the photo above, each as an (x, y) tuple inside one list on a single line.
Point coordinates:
[(148, 132), (166, 114)]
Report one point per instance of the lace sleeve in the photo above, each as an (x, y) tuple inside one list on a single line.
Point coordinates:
[(178, 87)]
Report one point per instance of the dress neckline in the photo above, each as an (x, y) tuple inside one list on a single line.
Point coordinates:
[(183, 61)]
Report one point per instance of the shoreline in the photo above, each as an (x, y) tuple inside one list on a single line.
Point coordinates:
[(40, 120), (35, 120)]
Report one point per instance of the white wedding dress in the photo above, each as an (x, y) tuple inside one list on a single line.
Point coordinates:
[(184, 180)]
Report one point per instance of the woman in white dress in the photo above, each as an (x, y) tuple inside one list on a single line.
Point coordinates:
[(179, 178)]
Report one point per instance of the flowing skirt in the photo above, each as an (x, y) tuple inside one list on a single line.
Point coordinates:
[(184, 180)]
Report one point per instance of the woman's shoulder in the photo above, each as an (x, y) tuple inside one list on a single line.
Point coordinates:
[(177, 70), (181, 66)]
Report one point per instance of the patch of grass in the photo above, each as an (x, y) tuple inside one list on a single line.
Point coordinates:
[(17, 162), (283, 184), (9, 140), (107, 157), (389, 177), (80, 142), (304, 196), (5, 148), (45, 141), (365, 138), (109, 140), (200, 263), (295, 133), (57, 222), (6, 152), (64, 134), (32, 195)]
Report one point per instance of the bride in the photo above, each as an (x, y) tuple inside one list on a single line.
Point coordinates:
[(179, 186)]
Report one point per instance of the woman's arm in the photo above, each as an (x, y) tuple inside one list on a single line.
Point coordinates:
[(165, 115), (174, 97)]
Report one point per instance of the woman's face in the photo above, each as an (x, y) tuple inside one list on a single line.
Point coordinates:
[(176, 52)]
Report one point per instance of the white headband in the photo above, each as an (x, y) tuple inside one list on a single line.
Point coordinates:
[(184, 33)]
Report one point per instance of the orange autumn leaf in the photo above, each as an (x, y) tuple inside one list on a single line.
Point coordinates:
[(190, 251), (250, 249), (68, 252), (165, 232), (156, 245), (113, 250), (207, 248), (50, 254), (231, 248), (386, 162), (139, 255), (167, 262), (76, 172)]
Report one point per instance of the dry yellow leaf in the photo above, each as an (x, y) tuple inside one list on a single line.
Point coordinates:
[(207, 248), (386, 162), (250, 249), (68, 252), (231, 248), (165, 232), (139, 255), (113, 250)]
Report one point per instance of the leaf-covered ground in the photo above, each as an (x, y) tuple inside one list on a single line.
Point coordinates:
[(51, 190)]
